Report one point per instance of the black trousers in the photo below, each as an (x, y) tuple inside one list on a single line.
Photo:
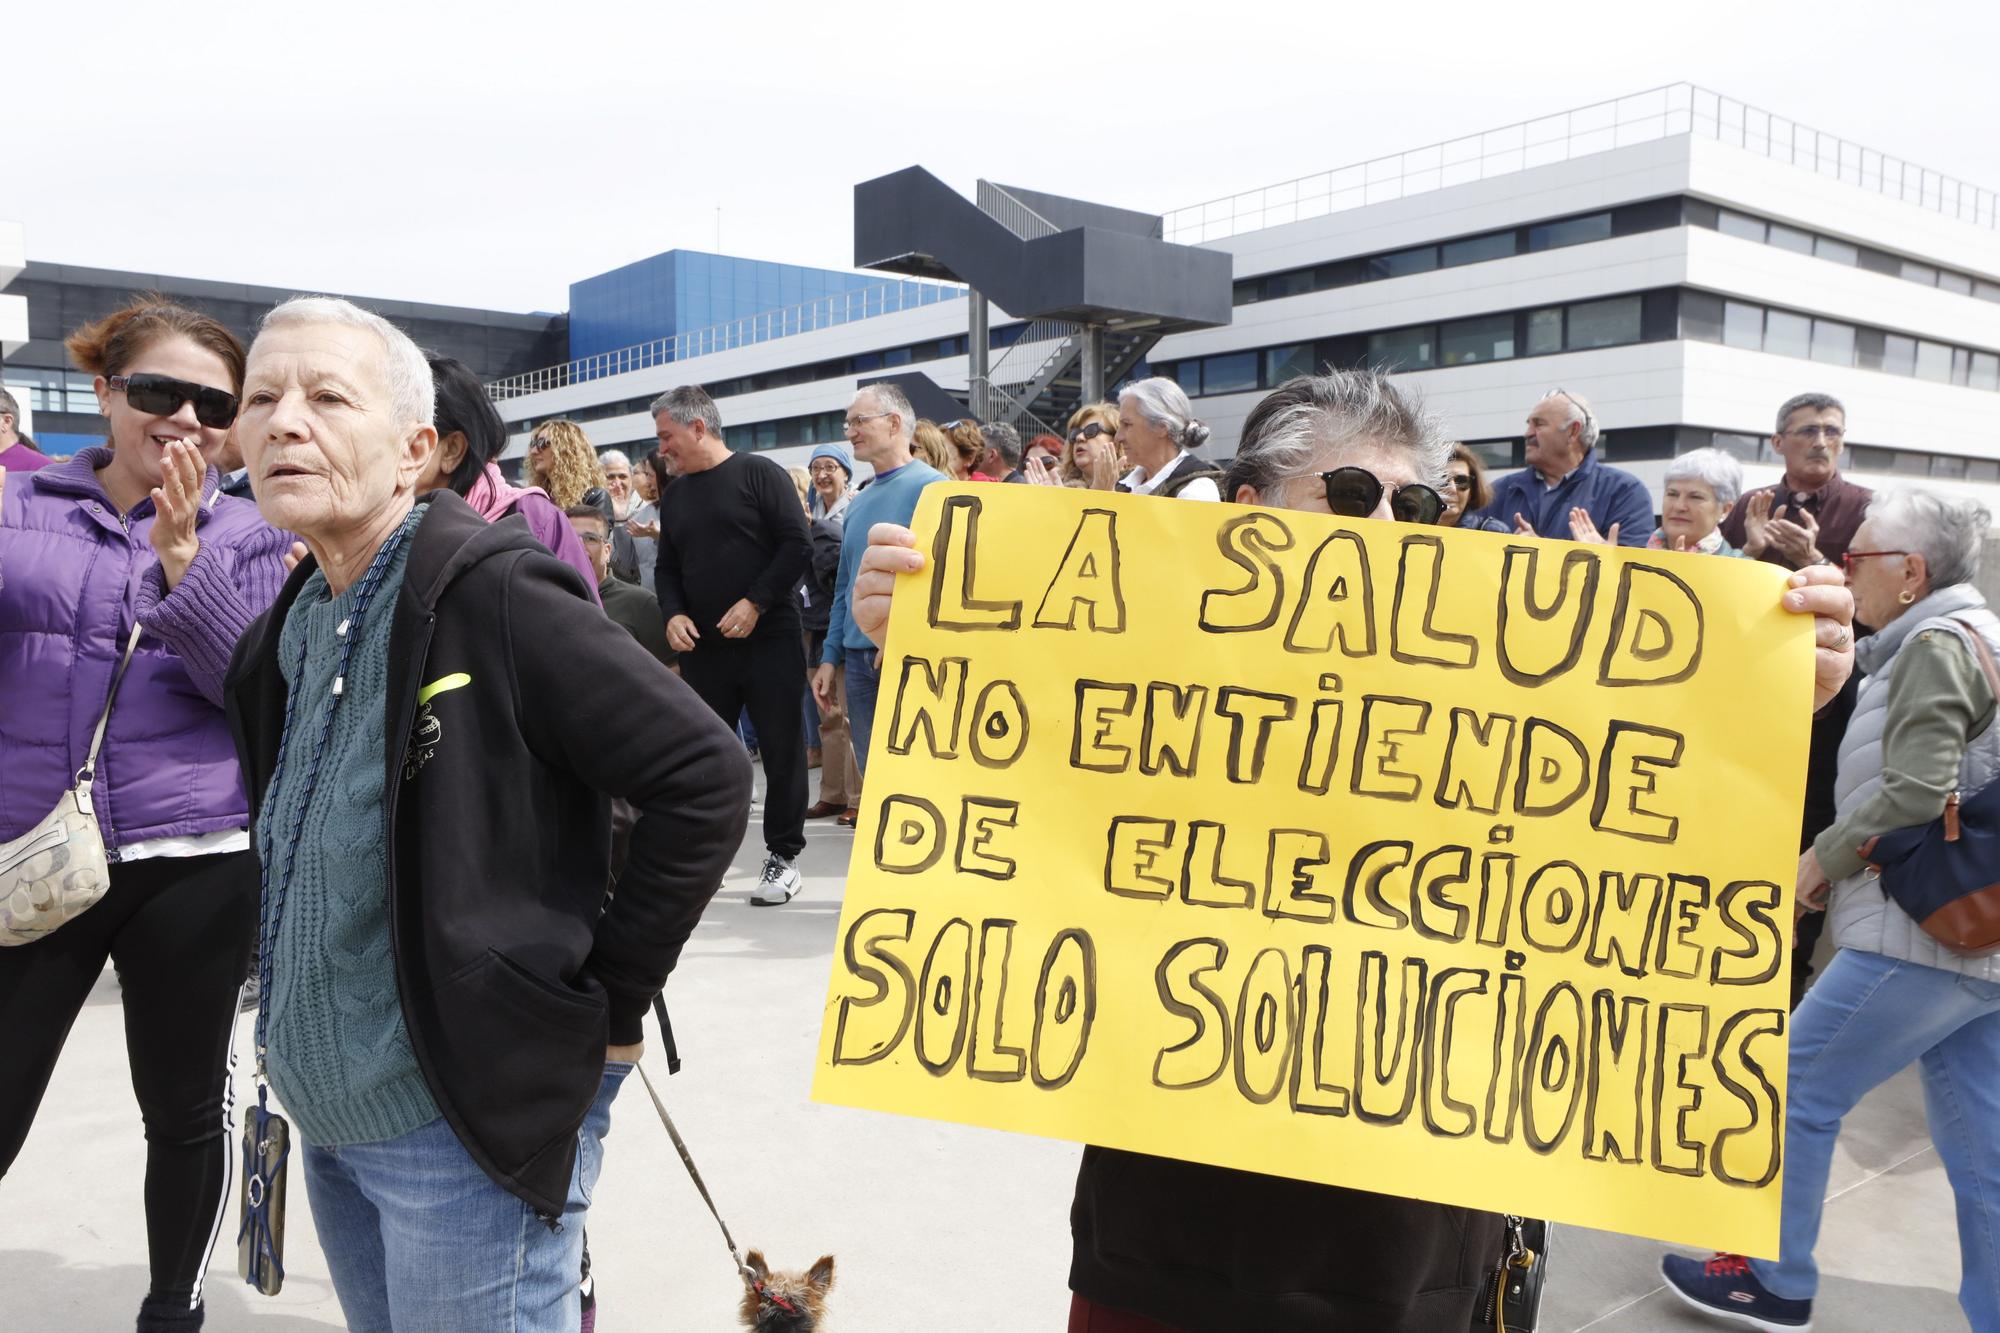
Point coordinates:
[(181, 930), (762, 673)]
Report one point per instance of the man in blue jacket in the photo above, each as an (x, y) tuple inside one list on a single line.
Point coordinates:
[(1564, 473), (881, 426)]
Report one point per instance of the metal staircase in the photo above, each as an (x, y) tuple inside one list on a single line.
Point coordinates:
[(1097, 285)]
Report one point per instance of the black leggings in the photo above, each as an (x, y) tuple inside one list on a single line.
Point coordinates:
[(762, 674), (181, 930)]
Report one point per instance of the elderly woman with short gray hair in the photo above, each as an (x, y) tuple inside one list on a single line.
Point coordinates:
[(417, 751), (1158, 434), (1893, 996), (1695, 496)]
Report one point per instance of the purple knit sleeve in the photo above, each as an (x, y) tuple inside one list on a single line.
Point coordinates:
[(230, 582), (552, 529)]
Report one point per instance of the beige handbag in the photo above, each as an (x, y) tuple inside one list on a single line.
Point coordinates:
[(57, 870)]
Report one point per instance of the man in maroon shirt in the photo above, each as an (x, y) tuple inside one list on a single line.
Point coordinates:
[(1808, 516), (1812, 513), (17, 451)]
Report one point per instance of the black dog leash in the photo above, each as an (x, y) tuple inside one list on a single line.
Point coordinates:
[(754, 1282)]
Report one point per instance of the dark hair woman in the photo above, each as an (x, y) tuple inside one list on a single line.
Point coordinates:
[(1466, 492), (470, 436), (135, 534)]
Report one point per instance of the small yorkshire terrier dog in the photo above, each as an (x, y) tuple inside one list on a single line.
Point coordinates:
[(785, 1302)]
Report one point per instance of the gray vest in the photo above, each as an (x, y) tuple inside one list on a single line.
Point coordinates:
[(1862, 916)]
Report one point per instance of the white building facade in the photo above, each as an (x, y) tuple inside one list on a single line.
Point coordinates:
[(1683, 262)]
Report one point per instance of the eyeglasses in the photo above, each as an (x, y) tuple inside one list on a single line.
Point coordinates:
[(1353, 492), (1090, 432), (162, 396), (1831, 434), (1847, 561), (1461, 481), (538, 444), (1575, 402), (589, 538), (856, 423)]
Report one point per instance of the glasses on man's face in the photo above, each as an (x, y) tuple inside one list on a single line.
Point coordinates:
[(854, 424), (1574, 402), (1847, 561), (590, 538), (162, 396), (1461, 481), (1090, 432), (1354, 492), (1817, 432)]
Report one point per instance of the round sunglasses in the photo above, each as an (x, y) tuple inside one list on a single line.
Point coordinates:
[(162, 396), (1090, 432), (1353, 492)]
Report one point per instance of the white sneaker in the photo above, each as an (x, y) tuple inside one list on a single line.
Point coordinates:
[(781, 879)]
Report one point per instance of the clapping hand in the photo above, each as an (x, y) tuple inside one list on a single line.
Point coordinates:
[(1583, 528), (1795, 539)]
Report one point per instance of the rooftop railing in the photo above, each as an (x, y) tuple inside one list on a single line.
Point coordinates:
[(842, 308), (1659, 113)]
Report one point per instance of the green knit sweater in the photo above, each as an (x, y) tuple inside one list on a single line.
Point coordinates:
[(339, 1056)]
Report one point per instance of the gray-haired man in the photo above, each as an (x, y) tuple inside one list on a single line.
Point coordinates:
[(733, 546), (1002, 458)]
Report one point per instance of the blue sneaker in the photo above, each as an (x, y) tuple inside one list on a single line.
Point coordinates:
[(1725, 1287)]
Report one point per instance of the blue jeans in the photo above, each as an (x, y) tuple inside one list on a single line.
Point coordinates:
[(1865, 1020), (863, 683), (417, 1237)]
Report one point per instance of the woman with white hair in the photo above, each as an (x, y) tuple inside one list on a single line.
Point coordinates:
[(1922, 730), (1158, 434), (1700, 487)]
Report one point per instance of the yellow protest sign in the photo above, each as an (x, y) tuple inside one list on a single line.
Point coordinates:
[(1434, 863)]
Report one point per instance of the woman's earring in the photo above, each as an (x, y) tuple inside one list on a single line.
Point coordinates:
[(1906, 597)]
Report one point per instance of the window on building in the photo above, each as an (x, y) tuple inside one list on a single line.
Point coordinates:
[(1742, 325), (1934, 362), (1470, 341), (1474, 249), (1915, 272), (1187, 374), (1403, 349), (1401, 263), (1746, 447), (1947, 465), (1570, 231), (1986, 291), (1840, 252), (1899, 354), (1611, 323), (1833, 342), (1909, 462), (1235, 372), (1982, 469), (1295, 283), (1961, 366), (1868, 458), (1247, 291), (1985, 371), (1284, 363), (1545, 331), (1701, 317), (1786, 334), (1740, 226), (1955, 282), (1791, 238)]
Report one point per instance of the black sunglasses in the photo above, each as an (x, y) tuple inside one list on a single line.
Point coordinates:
[(1090, 432), (1353, 492), (162, 396)]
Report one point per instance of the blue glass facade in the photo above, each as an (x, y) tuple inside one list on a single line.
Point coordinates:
[(683, 290)]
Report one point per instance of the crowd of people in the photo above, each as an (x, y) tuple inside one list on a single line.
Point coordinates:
[(299, 559)]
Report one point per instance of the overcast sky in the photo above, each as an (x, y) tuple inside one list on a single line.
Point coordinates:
[(488, 154)]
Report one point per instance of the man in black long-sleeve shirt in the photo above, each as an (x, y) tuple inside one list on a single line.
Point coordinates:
[(733, 545)]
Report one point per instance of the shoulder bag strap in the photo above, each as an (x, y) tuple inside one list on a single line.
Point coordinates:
[(1985, 656), (104, 719)]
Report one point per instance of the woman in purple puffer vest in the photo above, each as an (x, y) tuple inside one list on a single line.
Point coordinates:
[(138, 531)]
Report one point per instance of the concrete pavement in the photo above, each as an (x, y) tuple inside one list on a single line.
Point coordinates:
[(934, 1226)]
